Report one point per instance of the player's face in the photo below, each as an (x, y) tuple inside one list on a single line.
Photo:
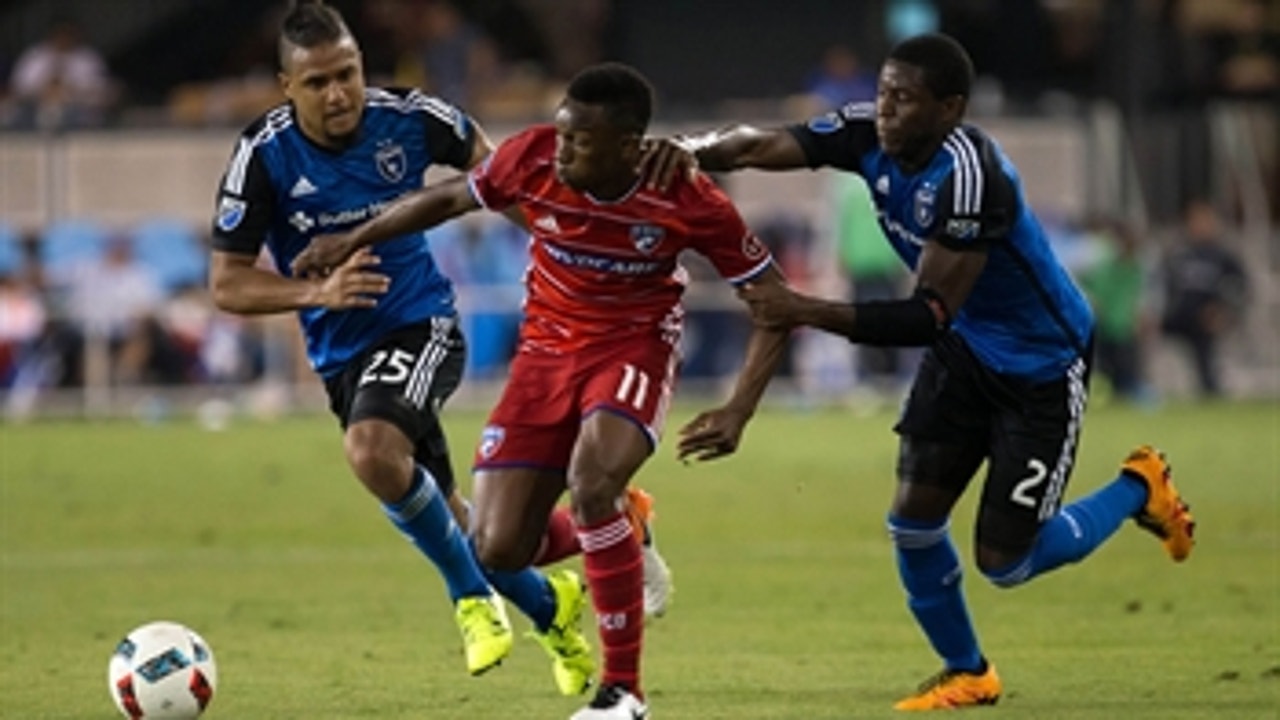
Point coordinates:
[(593, 156), (910, 121), (326, 85)]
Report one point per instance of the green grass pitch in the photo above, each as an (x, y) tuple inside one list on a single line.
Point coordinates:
[(787, 607)]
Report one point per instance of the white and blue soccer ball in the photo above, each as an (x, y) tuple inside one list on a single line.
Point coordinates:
[(162, 670)]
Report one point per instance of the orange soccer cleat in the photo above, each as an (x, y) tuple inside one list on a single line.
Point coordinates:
[(1165, 515), (952, 689)]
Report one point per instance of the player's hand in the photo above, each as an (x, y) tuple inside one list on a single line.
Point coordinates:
[(661, 159), (354, 283), (773, 305), (322, 255), (712, 434)]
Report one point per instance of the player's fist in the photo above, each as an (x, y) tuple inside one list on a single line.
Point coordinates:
[(354, 283)]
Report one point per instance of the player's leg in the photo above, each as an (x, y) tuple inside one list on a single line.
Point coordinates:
[(610, 449), (519, 475), (944, 429), (387, 403), (561, 541), (658, 584), (626, 389), (1021, 531)]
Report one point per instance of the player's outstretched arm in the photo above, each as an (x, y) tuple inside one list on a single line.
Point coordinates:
[(716, 433), (413, 212), (239, 286), (723, 150), (944, 279)]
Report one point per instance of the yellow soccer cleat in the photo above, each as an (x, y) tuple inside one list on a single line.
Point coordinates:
[(571, 661), (486, 632), (952, 689), (1165, 514)]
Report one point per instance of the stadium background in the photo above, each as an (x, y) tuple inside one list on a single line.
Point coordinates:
[(1112, 110), (788, 602)]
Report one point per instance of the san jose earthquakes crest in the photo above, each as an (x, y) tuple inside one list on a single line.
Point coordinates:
[(923, 206), (647, 237), (391, 161)]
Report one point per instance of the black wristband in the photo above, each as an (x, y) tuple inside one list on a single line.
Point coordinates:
[(915, 321)]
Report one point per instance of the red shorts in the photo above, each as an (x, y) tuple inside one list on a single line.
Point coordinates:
[(535, 423)]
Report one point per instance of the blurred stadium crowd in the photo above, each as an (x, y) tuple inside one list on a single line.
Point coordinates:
[(86, 303)]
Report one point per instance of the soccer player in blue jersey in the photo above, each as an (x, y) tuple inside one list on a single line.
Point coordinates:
[(381, 329), (1008, 338)]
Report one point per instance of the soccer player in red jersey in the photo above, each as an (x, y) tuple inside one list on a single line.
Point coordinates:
[(596, 364)]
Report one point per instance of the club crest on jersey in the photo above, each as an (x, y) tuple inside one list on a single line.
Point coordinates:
[(647, 237), (923, 210), (491, 439), (752, 248), (230, 213), (391, 161)]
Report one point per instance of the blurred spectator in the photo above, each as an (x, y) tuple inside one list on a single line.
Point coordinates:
[(1116, 285), (1248, 54), (487, 261), (839, 80), (117, 302), (245, 86), (22, 323), (874, 272), (573, 32), (458, 59), (1205, 290), (60, 82)]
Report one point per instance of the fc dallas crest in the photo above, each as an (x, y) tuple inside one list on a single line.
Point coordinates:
[(647, 237)]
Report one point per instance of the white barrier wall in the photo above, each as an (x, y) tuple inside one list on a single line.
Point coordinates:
[(123, 177)]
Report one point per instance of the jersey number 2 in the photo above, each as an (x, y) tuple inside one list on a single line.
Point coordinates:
[(1022, 491)]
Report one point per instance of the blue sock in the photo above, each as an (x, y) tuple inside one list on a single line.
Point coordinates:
[(1077, 530), (528, 590), (423, 515), (930, 572)]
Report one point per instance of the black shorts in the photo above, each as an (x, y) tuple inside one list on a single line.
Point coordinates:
[(1027, 432), (405, 378)]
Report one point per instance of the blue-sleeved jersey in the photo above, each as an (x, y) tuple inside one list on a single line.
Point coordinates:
[(281, 189), (1024, 316)]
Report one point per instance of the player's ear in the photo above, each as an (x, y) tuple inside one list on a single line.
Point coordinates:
[(631, 144), (953, 107)]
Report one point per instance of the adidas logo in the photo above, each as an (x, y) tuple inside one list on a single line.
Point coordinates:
[(302, 187), (547, 223), (882, 184)]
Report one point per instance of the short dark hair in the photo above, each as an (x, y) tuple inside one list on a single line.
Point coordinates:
[(947, 68), (625, 94), (308, 24)]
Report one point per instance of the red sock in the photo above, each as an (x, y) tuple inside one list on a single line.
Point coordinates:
[(561, 540), (615, 576)]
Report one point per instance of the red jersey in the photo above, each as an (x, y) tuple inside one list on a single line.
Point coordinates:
[(606, 269)]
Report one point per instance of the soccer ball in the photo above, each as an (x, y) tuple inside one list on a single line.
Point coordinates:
[(162, 670)]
